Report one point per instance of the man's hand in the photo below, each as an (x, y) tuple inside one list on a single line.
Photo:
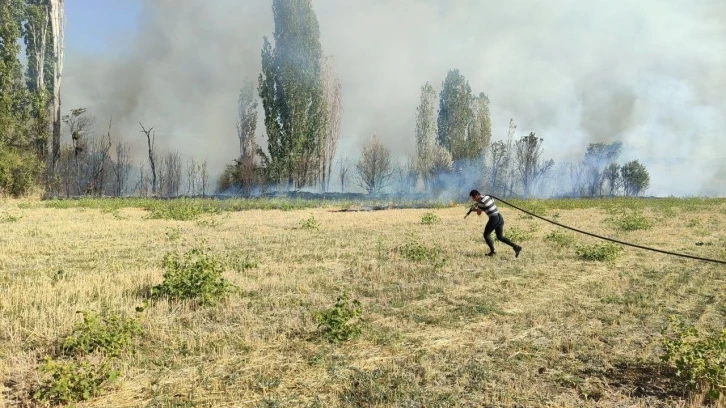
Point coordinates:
[(478, 211)]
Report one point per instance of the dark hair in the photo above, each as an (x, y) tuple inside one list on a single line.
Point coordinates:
[(473, 193)]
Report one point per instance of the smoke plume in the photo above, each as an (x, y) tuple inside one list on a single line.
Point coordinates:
[(649, 73)]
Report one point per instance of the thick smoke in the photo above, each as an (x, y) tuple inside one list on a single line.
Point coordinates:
[(649, 73)]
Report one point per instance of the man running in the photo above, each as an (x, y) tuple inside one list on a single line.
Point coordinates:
[(495, 223)]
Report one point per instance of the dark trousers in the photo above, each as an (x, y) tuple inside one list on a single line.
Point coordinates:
[(496, 224)]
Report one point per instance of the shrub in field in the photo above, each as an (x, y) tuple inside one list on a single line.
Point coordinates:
[(631, 222), (560, 239), (110, 334), (416, 252), (517, 234), (310, 223), (430, 218), (196, 275), (180, 210), (340, 323), (72, 381), (698, 358), (599, 252)]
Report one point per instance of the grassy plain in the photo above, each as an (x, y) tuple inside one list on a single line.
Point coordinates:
[(442, 325)]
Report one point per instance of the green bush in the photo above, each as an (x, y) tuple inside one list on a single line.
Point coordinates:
[(339, 323), (633, 221), (110, 334), (698, 358), (72, 381), (19, 171), (430, 219), (310, 223), (196, 275), (180, 209), (517, 234), (560, 239), (599, 252), (416, 252)]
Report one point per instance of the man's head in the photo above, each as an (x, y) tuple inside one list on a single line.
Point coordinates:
[(475, 195)]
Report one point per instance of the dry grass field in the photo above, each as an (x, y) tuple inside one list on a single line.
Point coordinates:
[(440, 324)]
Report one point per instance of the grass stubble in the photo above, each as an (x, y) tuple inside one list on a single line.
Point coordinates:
[(547, 329)]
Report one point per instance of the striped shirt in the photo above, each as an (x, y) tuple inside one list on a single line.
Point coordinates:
[(487, 205)]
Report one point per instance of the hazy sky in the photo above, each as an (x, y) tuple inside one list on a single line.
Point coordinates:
[(649, 73)]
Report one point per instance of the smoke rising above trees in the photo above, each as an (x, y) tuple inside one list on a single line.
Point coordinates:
[(572, 84)]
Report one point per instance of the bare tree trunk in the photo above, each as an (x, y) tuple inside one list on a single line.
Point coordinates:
[(205, 178), (343, 168), (121, 167), (192, 169), (173, 172), (150, 140), (333, 101), (57, 23), (98, 180)]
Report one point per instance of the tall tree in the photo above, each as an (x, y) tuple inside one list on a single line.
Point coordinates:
[(426, 133), (332, 92), (18, 166), (374, 167), (530, 164), (343, 169), (597, 157), (38, 39), (499, 167), (455, 116), (57, 24), (635, 178), (291, 90), (612, 177), (480, 129), (12, 88), (150, 139), (247, 121)]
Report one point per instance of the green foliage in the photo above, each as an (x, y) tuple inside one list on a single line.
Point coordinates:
[(697, 357), (517, 234), (536, 207), (599, 252), (196, 275), (417, 252), (635, 178), (19, 171), (632, 221), (180, 209), (455, 116), (340, 323), (310, 223), (110, 334), (430, 218), (290, 87), (560, 239), (72, 381), (173, 234)]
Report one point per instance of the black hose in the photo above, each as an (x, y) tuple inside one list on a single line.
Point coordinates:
[(610, 239)]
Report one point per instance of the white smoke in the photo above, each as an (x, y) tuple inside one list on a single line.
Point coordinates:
[(649, 73)]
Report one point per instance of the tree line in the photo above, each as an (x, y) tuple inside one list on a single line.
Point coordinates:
[(300, 94), (301, 100)]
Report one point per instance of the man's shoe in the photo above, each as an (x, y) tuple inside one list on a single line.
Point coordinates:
[(517, 250), (491, 253)]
